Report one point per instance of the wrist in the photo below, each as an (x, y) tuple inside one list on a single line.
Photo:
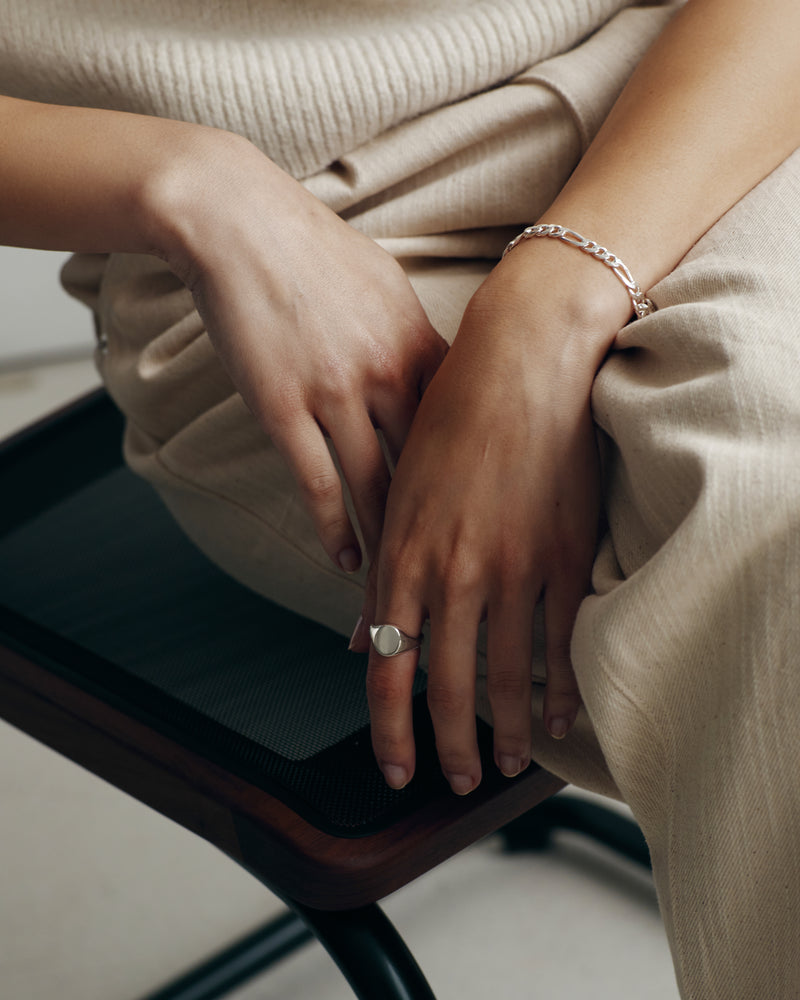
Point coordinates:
[(642, 306), (186, 197), (558, 303)]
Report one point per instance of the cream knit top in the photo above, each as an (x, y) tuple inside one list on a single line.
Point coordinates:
[(306, 80)]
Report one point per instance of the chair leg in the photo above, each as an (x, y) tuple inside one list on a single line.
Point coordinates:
[(370, 953), (532, 831), (241, 961), (364, 944)]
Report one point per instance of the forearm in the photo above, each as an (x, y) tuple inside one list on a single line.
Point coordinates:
[(710, 111), (91, 180)]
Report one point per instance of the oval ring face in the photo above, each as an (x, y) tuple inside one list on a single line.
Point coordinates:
[(387, 639)]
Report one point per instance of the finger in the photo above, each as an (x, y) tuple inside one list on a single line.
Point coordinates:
[(303, 446), (562, 698), (394, 419), (430, 359), (365, 471), (390, 681), (509, 654), (360, 639), (451, 694), (394, 414)]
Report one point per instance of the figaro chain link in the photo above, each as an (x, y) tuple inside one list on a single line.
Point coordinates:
[(642, 306)]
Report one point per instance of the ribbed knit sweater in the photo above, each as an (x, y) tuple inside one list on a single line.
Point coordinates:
[(306, 81)]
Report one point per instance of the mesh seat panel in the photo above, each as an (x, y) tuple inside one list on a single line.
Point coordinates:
[(107, 584)]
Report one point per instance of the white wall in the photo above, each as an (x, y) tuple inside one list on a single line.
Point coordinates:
[(46, 339), (37, 317)]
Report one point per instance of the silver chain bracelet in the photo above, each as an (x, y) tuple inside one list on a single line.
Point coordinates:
[(642, 306)]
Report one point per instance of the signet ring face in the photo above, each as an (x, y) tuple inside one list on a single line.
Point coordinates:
[(389, 640)]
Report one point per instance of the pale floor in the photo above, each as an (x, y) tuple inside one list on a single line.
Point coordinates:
[(102, 899)]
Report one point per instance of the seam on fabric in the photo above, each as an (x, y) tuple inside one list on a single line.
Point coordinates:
[(565, 99)]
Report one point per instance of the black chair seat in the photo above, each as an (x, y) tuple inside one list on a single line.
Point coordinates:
[(123, 648), (104, 603)]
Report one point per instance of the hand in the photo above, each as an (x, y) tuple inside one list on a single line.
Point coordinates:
[(317, 326), (493, 506)]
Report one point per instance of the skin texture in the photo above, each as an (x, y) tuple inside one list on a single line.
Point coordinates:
[(709, 112), (439, 561), (353, 356)]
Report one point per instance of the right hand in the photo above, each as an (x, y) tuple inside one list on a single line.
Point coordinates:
[(318, 327), (494, 507)]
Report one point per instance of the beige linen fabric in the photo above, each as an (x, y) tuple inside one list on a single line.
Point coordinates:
[(687, 654)]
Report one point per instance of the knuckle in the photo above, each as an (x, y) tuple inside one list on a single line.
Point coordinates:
[(514, 564), (416, 347), (384, 689), (573, 560), (562, 684), (559, 661), (448, 703), (458, 570), (402, 562), (395, 551), (321, 487), (387, 369), (508, 686), (338, 392)]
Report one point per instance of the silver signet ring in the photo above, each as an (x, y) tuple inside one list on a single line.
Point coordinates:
[(389, 640)]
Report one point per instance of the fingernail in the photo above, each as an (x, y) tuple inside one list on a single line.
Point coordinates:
[(559, 727), (461, 784), (350, 559), (396, 777), (512, 766), (359, 640)]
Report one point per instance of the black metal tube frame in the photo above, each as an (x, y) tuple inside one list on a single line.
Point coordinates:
[(363, 942), (533, 829), (239, 962), (370, 953)]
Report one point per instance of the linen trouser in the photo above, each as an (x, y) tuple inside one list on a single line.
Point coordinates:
[(687, 653)]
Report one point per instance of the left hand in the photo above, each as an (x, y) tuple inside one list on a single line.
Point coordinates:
[(494, 505)]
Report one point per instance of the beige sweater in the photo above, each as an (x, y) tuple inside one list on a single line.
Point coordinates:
[(307, 81)]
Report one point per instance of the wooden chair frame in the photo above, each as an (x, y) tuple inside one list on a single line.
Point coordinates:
[(331, 883)]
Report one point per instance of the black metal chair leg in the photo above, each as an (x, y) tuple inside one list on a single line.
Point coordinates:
[(241, 961), (371, 954), (532, 831)]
